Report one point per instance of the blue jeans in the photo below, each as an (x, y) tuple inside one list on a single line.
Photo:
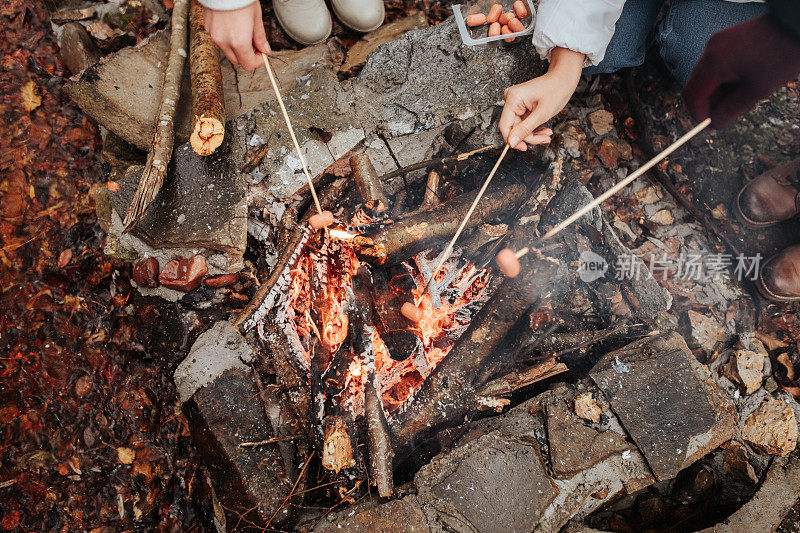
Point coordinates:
[(681, 36)]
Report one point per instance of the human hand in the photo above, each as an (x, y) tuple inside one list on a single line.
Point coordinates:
[(530, 104), (740, 66), (239, 34)]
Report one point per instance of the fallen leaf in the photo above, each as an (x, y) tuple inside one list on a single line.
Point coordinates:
[(787, 364), (113, 186), (31, 99), (602, 121), (65, 257), (720, 212), (125, 455)]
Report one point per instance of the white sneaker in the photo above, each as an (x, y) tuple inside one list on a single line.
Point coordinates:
[(306, 21), (361, 15)]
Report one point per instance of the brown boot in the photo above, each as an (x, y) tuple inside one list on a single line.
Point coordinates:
[(779, 279), (772, 197)]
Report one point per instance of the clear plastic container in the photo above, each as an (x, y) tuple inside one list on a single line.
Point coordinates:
[(477, 35)]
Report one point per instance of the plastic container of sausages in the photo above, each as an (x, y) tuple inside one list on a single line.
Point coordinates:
[(477, 35)]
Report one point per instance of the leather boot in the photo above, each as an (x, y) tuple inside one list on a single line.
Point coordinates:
[(305, 21), (360, 15), (779, 279), (772, 197)]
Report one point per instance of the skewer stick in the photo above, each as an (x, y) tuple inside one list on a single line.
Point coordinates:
[(616, 188), (291, 132), (452, 243)]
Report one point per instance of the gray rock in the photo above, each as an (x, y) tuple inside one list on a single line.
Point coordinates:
[(428, 78), (323, 120), (493, 483), (666, 402), (202, 204), (400, 516)]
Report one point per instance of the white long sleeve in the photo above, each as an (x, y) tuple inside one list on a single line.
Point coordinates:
[(584, 26), (225, 5)]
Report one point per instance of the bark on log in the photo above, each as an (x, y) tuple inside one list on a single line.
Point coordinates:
[(450, 391), (392, 326), (368, 183), (208, 98), (381, 454), (431, 197), (441, 222), (155, 169), (327, 199)]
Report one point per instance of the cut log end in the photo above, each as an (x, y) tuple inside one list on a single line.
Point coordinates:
[(508, 263), (207, 135), (321, 220)]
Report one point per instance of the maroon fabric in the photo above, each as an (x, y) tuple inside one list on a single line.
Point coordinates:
[(740, 66)]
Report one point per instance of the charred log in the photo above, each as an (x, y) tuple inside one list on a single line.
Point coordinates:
[(368, 183), (392, 326), (441, 222), (381, 453)]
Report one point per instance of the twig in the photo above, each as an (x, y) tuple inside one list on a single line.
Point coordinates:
[(438, 161), (291, 132), (449, 249), (155, 169), (272, 440)]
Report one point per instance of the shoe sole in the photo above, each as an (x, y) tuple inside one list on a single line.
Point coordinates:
[(768, 294)]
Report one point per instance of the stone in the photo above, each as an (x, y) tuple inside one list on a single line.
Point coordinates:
[(736, 463), (602, 121), (428, 78), (771, 428), (574, 446), (322, 115), (202, 204), (76, 47), (221, 280), (492, 483), (357, 54), (185, 274), (746, 367), (587, 407), (118, 90), (400, 516), (611, 150), (252, 482), (666, 402), (215, 351), (774, 499), (703, 331), (145, 272)]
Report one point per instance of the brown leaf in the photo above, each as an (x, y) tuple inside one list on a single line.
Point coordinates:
[(125, 455), (65, 257), (787, 364), (29, 94)]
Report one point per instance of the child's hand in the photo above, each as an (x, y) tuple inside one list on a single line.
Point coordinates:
[(239, 34), (531, 104)]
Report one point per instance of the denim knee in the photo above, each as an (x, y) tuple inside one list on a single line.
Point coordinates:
[(689, 24)]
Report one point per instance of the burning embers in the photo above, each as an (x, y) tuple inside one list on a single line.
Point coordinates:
[(320, 306)]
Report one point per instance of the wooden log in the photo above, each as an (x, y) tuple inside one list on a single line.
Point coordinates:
[(368, 183), (208, 99), (392, 326), (398, 239), (327, 199), (450, 391), (337, 450), (155, 169), (381, 453), (431, 197)]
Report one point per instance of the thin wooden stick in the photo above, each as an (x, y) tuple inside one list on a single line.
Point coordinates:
[(619, 186), (291, 132), (452, 243)]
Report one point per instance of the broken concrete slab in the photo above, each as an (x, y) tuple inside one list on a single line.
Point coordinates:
[(323, 122), (666, 402), (400, 516), (121, 91), (395, 90), (252, 482), (574, 445), (774, 499), (492, 483), (201, 204), (215, 351), (771, 428)]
